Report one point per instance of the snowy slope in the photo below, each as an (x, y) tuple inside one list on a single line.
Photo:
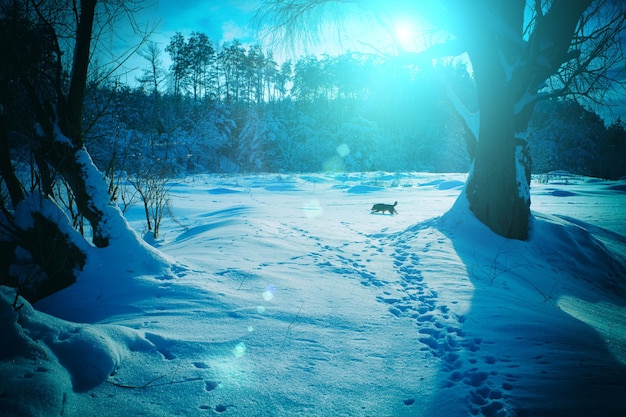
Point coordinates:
[(286, 296)]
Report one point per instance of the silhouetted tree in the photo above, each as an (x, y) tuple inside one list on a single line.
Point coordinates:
[(567, 47), (180, 62), (36, 38)]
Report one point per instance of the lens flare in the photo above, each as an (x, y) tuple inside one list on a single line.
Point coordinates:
[(343, 150), (313, 209), (239, 350), (269, 293)]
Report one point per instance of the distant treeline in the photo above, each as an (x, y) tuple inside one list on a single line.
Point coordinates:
[(237, 110)]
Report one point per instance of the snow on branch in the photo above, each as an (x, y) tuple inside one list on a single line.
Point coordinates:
[(470, 121)]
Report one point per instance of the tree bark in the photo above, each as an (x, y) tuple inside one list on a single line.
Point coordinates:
[(56, 256), (86, 182), (70, 119), (493, 188), (64, 150), (6, 166), (498, 186)]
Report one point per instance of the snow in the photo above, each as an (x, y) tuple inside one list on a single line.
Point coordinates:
[(95, 186), (520, 172), (283, 295)]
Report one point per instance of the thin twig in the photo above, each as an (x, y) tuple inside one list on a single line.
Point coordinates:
[(245, 277), (151, 383), (291, 325)]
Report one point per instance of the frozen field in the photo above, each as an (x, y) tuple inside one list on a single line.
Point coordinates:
[(286, 296)]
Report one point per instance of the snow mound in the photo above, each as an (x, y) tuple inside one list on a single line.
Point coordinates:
[(364, 189), (281, 187), (303, 304), (562, 193), (555, 301), (222, 190), (617, 187), (449, 185), (52, 358), (567, 244)]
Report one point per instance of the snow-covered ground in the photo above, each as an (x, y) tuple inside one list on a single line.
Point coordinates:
[(285, 296)]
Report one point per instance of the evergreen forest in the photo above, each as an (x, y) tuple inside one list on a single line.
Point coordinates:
[(235, 109)]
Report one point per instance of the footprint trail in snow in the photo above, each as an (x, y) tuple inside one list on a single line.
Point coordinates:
[(439, 321)]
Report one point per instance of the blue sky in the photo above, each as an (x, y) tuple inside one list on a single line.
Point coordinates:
[(226, 20), (221, 20)]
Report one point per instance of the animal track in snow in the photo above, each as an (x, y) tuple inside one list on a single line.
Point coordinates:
[(162, 345), (442, 336), (406, 293), (210, 385)]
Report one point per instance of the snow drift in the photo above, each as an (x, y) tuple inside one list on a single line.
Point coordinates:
[(288, 297)]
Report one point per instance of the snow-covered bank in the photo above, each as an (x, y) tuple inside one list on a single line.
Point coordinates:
[(294, 299)]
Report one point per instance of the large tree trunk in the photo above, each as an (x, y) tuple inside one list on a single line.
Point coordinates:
[(52, 252), (61, 140), (62, 146), (87, 183), (508, 71), (70, 118), (496, 191)]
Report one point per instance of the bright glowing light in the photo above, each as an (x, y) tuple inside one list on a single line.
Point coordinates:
[(404, 31)]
